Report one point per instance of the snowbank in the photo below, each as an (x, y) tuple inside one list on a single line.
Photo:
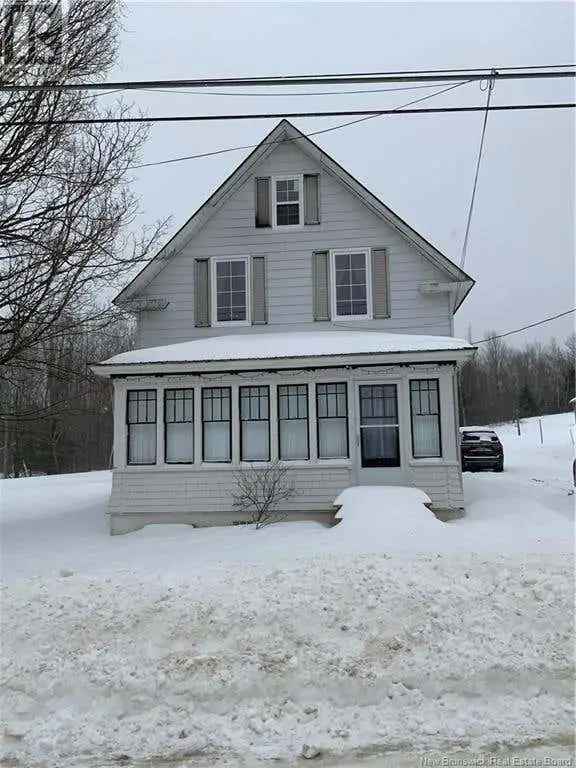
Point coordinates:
[(396, 517), (348, 653), (389, 631)]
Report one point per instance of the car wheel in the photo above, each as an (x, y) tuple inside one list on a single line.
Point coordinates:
[(499, 467)]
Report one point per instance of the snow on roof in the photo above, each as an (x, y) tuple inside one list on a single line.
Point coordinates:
[(262, 346)]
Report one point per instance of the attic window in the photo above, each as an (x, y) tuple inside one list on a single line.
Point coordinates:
[(287, 201)]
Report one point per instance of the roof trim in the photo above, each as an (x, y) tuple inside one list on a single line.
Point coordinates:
[(266, 146), (355, 359)]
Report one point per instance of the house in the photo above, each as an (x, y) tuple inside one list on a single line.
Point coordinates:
[(293, 317)]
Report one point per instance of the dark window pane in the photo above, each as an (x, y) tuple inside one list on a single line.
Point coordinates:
[(287, 214)]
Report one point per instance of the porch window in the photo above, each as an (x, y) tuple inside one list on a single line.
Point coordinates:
[(179, 426), (230, 291), (216, 425), (425, 413), (332, 416), (351, 284), (254, 424), (293, 421), (287, 201), (379, 428), (141, 424)]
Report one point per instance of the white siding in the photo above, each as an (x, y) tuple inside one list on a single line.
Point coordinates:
[(345, 221)]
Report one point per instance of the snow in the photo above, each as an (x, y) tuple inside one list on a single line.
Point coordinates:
[(389, 631), (280, 345)]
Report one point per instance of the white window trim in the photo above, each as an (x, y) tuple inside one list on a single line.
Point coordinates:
[(333, 305), (299, 177), (213, 292)]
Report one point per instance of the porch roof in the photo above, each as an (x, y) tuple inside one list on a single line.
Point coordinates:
[(285, 347)]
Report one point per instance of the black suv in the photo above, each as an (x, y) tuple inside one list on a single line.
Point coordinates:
[(481, 449)]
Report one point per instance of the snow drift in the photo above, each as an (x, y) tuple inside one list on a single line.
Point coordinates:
[(348, 653)]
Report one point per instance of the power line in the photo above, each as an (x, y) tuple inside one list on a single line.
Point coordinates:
[(462, 262), (208, 92), (335, 79), (277, 115), (525, 327), (476, 174), (297, 138)]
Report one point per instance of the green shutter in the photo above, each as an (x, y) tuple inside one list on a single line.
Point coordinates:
[(380, 284), (311, 199), (321, 285), (262, 202), (258, 290), (202, 293)]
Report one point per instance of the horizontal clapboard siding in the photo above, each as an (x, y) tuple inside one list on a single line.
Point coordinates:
[(204, 492), (345, 222), (442, 483)]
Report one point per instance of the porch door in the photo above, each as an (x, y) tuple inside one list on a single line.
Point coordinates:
[(379, 438)]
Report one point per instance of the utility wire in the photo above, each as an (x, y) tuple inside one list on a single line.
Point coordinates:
[(208, 92), (297, 138), (462, 262), (338, 79), (277, 115), (489, 89), (525, 327)]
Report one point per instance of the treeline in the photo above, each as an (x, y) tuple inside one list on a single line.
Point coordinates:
[(503, 382), (57, 416)]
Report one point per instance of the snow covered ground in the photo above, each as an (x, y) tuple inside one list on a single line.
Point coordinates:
[(391, 631)]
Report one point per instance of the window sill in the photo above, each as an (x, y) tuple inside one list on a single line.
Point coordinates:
[(229, 323)]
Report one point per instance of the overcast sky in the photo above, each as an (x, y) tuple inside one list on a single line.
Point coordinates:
[(521, 249)]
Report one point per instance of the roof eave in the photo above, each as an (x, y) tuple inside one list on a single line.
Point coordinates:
[(166, 368)]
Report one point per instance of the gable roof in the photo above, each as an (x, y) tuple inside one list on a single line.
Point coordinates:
[(286, 131)]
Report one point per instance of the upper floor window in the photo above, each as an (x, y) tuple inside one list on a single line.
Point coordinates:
[(230, 296), (287, 208), (351, 289), (287, 201)]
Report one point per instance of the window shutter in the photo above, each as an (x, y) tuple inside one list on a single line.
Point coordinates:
[(311, 199), (202, 293), (380, 289), (263, 202), (259, 290), (321, 285)]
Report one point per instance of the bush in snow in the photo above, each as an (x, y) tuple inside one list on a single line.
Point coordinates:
[(259, 491)]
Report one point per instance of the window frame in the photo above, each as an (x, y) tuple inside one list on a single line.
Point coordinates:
[(396, 426), (320, 418), (240, 420), (217, 421), (192, 423), (299, 177), (333, 303), (279, 419), (147, 391), (440, 455), (214, 292)]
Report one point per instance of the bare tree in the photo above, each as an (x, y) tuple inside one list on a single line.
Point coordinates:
[(260, 490), (66, 207)]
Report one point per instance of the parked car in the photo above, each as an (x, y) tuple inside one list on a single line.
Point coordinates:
[(481, 449)]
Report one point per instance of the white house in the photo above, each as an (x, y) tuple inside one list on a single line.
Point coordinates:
[(293, 317)]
